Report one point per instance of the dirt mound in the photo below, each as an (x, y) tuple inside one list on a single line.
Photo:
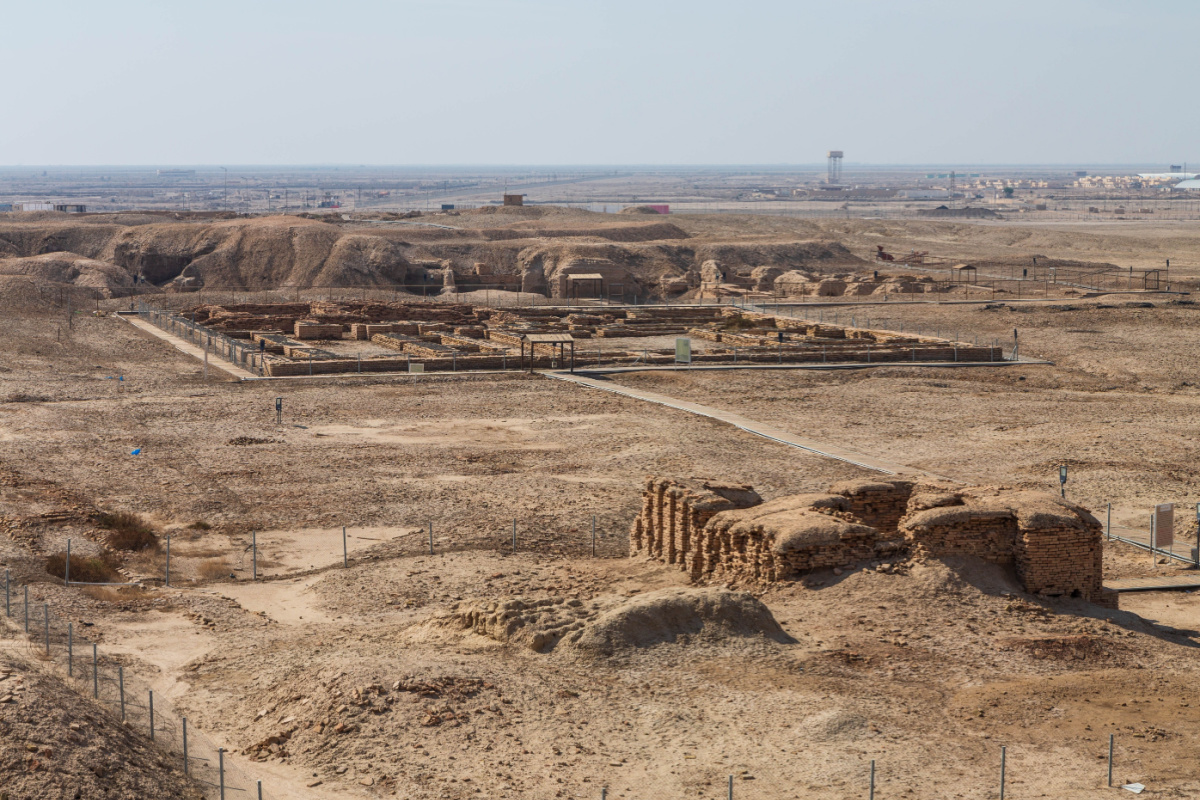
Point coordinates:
[(55, 743), (107, 279), (600, 629), (31, 295), (639, 210)]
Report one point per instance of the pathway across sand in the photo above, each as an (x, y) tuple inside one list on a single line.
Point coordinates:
[(750, 426), (195, 351)]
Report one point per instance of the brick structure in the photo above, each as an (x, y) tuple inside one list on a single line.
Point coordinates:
[(317, 330), (721, 531)]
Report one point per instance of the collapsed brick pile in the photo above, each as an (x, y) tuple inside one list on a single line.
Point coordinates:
[(725, 531)]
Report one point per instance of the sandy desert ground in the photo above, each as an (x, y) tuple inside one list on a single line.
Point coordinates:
[(371, 680)]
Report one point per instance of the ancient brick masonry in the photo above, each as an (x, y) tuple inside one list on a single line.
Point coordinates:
[(722, 531)]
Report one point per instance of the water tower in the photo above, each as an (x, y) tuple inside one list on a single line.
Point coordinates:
[(835, 168)]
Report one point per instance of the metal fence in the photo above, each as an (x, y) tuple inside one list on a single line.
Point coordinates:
[(29, 616)]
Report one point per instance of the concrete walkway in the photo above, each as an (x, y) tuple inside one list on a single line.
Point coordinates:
[(184, 346), (757, 428)]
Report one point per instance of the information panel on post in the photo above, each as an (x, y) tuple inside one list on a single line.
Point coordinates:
[(683, 351), (1164, 525)]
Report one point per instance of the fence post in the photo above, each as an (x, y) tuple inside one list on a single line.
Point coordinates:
[(152, 715), (70, 649), (1108, 526), (95, 673), (259, 790), (221, 769), (67, 568), (1110, 758), (46, 612), (168, 581), (7, 604), (121, 688), (254, 555), (593, 537), (345, 552), (430, 537), (514, 534), (185, 755), (1003, 760), (27, 608), (730, 787), (872, 795)]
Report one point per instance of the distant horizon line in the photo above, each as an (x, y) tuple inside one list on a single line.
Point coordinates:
[(806, 167)]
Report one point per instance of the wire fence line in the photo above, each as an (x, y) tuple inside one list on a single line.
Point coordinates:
[(29, 618)]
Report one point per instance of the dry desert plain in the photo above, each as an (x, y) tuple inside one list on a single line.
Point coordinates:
[(364, 680)]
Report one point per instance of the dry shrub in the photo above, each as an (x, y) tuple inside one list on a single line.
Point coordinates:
[(213, 570), (84, 569), (128, 531), (200, 525), (104, 594)]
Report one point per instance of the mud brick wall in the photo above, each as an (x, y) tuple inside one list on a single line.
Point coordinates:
[(675, 513), (959, 531), (879, 504), (312, 330), (724, 531), (392, 341), (1064, 560)]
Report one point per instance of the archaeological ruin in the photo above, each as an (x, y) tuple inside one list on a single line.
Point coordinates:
[(321, 338), (722, 531)]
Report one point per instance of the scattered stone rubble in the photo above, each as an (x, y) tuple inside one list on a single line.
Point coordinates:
[(723, 531)]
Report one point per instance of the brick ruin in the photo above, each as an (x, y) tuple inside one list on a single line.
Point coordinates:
[(314, 338), (723, 531)]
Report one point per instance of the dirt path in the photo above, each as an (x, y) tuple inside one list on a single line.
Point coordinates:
[(750, 426), (192, 350)]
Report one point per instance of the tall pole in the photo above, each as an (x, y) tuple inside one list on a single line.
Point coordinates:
[(226, 203)]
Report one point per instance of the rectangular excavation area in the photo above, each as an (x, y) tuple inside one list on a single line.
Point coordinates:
[(353, 337)]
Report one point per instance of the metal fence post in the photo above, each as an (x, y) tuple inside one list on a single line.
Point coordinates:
[(152, 715), (514, 534), (1110, 758), (221, 769), (593, 535), (430, 537), (95, 673), (259, 790), (185, 755), (872, 794), (7, 597), (121, 689), (1108, 527), (345, 551), (168, 581), (254, 555), (730, 787), (67, 568), (46, 612), (1003, 764), (26, 609), (70, 649)]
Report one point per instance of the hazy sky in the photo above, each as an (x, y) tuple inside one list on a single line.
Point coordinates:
[(599, 82)]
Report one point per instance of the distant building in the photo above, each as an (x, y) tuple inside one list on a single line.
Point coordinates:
[(176, 173), (71, 208), (33, 206), (661, 208), (6, 207), (514, 199), (447, 206)]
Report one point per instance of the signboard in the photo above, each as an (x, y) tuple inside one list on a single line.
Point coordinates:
[(1164, 525), (683, 351), (415, 367)]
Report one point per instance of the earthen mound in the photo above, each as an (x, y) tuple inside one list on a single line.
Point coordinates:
[(71, 268), (676, 616), (639, 210), (605, 629), (33, 296), (55, 744)]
